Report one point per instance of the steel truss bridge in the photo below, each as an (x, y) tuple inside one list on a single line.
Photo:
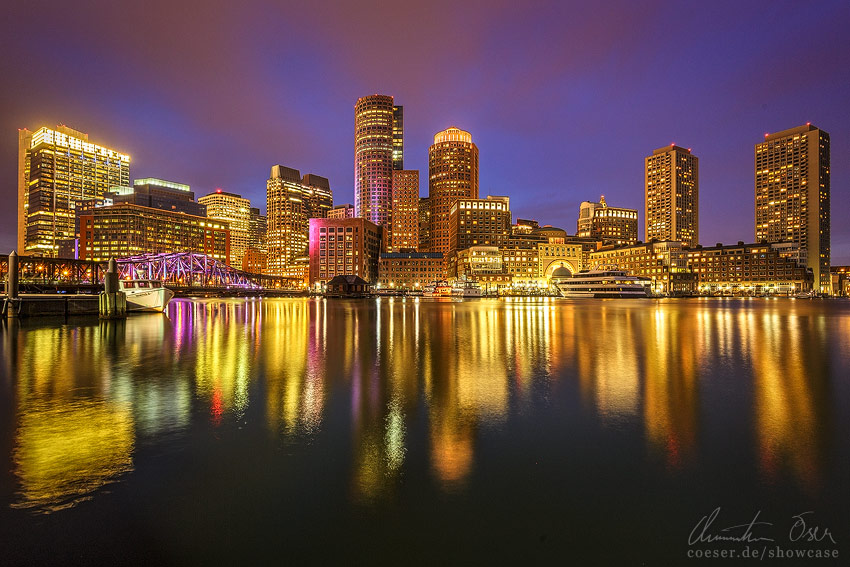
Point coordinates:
[(179, 270)]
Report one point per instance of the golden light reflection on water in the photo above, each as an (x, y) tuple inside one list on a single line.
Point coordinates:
[(464, 367)]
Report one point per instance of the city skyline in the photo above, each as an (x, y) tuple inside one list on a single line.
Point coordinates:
[(525, 149)]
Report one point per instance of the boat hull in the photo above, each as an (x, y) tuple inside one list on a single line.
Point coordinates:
[(154, 300)]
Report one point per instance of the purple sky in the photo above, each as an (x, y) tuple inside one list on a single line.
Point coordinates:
[(563, 100)]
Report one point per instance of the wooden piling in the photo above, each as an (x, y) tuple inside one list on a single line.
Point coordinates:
[(113, 303)]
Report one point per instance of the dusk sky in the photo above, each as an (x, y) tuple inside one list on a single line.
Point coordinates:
[(563, 99)]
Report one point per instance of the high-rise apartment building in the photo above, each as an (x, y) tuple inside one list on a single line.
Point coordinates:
[(56, 169), (374, 143), (792, 195), (452, 175), (290, 202), (614, 225), (672, 195), (404, 236), (236, 211)]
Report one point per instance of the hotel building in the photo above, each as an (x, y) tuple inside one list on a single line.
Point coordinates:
[(56, 168), (792, 195), (479, 222), (452, 175), (672, 195), (747, 269), (290, 202), (343, 247), (404, 235), (123, 230), (375, 142), (409, 270), (613, 225), (236, 211)]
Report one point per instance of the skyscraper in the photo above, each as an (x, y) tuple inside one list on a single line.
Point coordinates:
[(405, 215), (290, 202), (56, 169), (452, 175), (398, 137), (672, 195), (374, 118), (236, 211), (792, 195), (424, 224)]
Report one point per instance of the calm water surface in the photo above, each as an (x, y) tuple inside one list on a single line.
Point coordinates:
[(423, 431)]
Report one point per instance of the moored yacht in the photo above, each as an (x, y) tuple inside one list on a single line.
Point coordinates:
[(466, 288), (439, 288), (145, 295), (599, 283)]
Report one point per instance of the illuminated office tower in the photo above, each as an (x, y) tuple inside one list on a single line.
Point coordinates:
[(792, 195), (290, 202), (672, 195), (398, 137), (236, 211), (613, 225), (374, 118), (56, 169), (404, 235), (452, 175), (479, 222)]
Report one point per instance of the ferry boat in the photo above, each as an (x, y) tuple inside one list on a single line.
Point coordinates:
[(600, 283), (145, 295), (439, 288), (466, 288)]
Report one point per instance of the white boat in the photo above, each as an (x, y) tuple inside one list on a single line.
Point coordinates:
[(805, 295), (600, 283), (145, 295), (466, 288), (440, 288)]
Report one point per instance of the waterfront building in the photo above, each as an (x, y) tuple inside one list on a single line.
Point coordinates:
[(236, 211), (123, 230), (556, 252), (474, 222), (792, 185), (614, 225), (409, 270), (452, 175), (482, 264), (158, 194), (840, 280), (290, 202), (521, 262), (404, 235), (374, 142), (56, 168), (665, 263), (747, 269), (424, 224), (341, 212), (343, 247), (672, 195)]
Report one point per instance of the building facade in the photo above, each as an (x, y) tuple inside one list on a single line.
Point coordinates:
[(792, 185), (343, 247), (409, 270), (404, 235), (374, 142), (235, 210), (614, 225), (290, 202), (398, 137), (159, 194), (56, 169), (424, 224), (123, 230), (452, 175), (664, 263), (479, 222), (341, 212), (672, 195), (747, 269)]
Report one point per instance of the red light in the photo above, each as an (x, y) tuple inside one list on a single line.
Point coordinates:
[(218, 190)]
